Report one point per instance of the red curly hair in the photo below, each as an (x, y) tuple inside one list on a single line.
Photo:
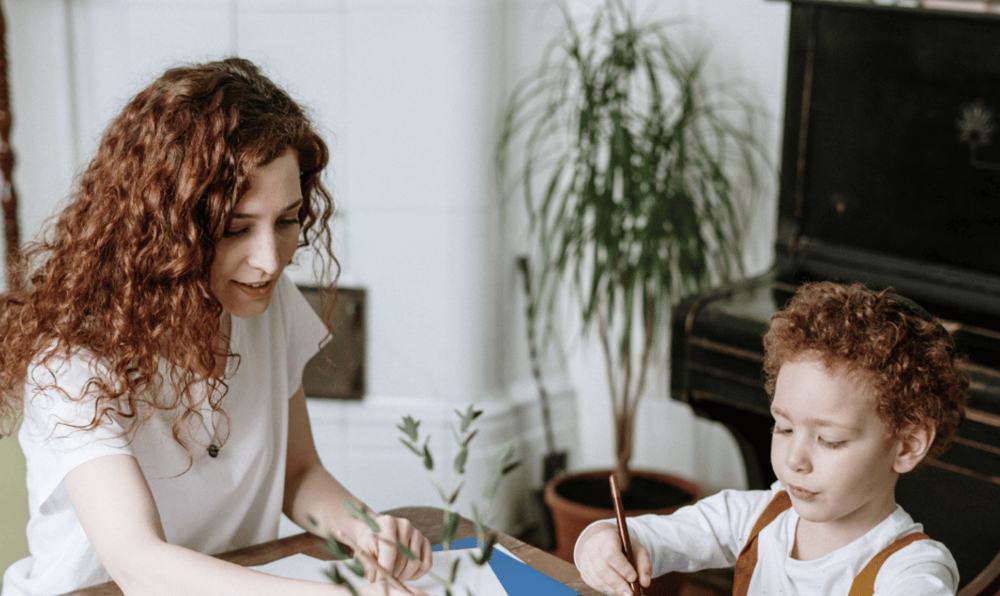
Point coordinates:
[(124, 271), (908, 360)]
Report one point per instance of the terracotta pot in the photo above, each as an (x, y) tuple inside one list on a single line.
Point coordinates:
[(571, 517)]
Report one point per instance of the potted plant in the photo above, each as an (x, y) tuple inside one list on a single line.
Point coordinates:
[(635, 172)]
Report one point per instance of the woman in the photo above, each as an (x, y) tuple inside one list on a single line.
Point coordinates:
[(157, 352)]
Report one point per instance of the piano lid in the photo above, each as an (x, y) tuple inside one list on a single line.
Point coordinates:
[(892, 143)]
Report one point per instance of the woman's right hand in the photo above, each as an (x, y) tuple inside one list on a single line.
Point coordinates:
[(382, 549), (603, 565)]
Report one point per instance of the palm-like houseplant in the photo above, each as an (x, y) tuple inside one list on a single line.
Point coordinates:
[(636, 174)]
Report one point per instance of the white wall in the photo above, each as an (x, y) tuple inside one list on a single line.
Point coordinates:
[(409, 93)]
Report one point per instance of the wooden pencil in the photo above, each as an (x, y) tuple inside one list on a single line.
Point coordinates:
[(616, 498)]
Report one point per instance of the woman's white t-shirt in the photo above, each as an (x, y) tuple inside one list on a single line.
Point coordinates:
[(217, 504), (712, 532)]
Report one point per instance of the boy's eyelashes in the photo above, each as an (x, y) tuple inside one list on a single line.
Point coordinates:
[(779, 430), (832, 444)]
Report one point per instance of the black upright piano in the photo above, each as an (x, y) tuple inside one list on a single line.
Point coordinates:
[(890, 176)]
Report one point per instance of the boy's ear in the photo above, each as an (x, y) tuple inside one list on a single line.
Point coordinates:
[(913, 447)]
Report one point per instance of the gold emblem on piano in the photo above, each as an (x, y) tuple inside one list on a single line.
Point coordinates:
[(975, 127)]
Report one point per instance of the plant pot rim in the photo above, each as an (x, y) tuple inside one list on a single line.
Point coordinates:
[(554, 499)]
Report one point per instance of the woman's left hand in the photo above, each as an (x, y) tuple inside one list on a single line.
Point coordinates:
[(383, 549)]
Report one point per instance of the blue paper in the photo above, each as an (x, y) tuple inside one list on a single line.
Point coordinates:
[(517, 578)]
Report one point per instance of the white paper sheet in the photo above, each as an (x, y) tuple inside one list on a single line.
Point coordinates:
[(478, 580)]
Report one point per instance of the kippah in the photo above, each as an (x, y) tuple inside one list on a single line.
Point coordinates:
[(910, 306)]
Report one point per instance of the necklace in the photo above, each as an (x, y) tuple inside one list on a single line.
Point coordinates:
[(225, 327), (215, 445)]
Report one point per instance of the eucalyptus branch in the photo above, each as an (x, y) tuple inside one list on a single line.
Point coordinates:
[(463, 436), (410, 428), (334, 547)]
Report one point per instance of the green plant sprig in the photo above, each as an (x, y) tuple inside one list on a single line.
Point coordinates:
[(338, 547), (463, 435)]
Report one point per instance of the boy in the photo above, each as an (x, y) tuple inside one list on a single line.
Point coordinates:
[(863, 387)]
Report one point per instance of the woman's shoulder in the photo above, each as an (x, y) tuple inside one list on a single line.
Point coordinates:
[(60, 392), (64, 367)]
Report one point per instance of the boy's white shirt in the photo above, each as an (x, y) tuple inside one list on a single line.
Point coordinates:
[(712, 532), (218, 504)]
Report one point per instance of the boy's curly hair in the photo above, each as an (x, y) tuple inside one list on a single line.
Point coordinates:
[(908, 361), (123, 274)]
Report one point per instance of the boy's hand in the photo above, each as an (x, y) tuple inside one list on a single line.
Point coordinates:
[(603, 565)]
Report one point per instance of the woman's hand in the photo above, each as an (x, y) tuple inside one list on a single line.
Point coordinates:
[(315, 500), (383, 549), (603, 565)]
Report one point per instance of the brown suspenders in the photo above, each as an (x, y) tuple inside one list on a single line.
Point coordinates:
[(747, 560), (864, 583)]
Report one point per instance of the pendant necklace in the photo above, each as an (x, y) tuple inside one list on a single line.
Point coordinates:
[(214, 446), (215, 443), (225, 325), (213, 449)]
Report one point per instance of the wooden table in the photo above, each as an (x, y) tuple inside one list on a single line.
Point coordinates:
[(427, 519)]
